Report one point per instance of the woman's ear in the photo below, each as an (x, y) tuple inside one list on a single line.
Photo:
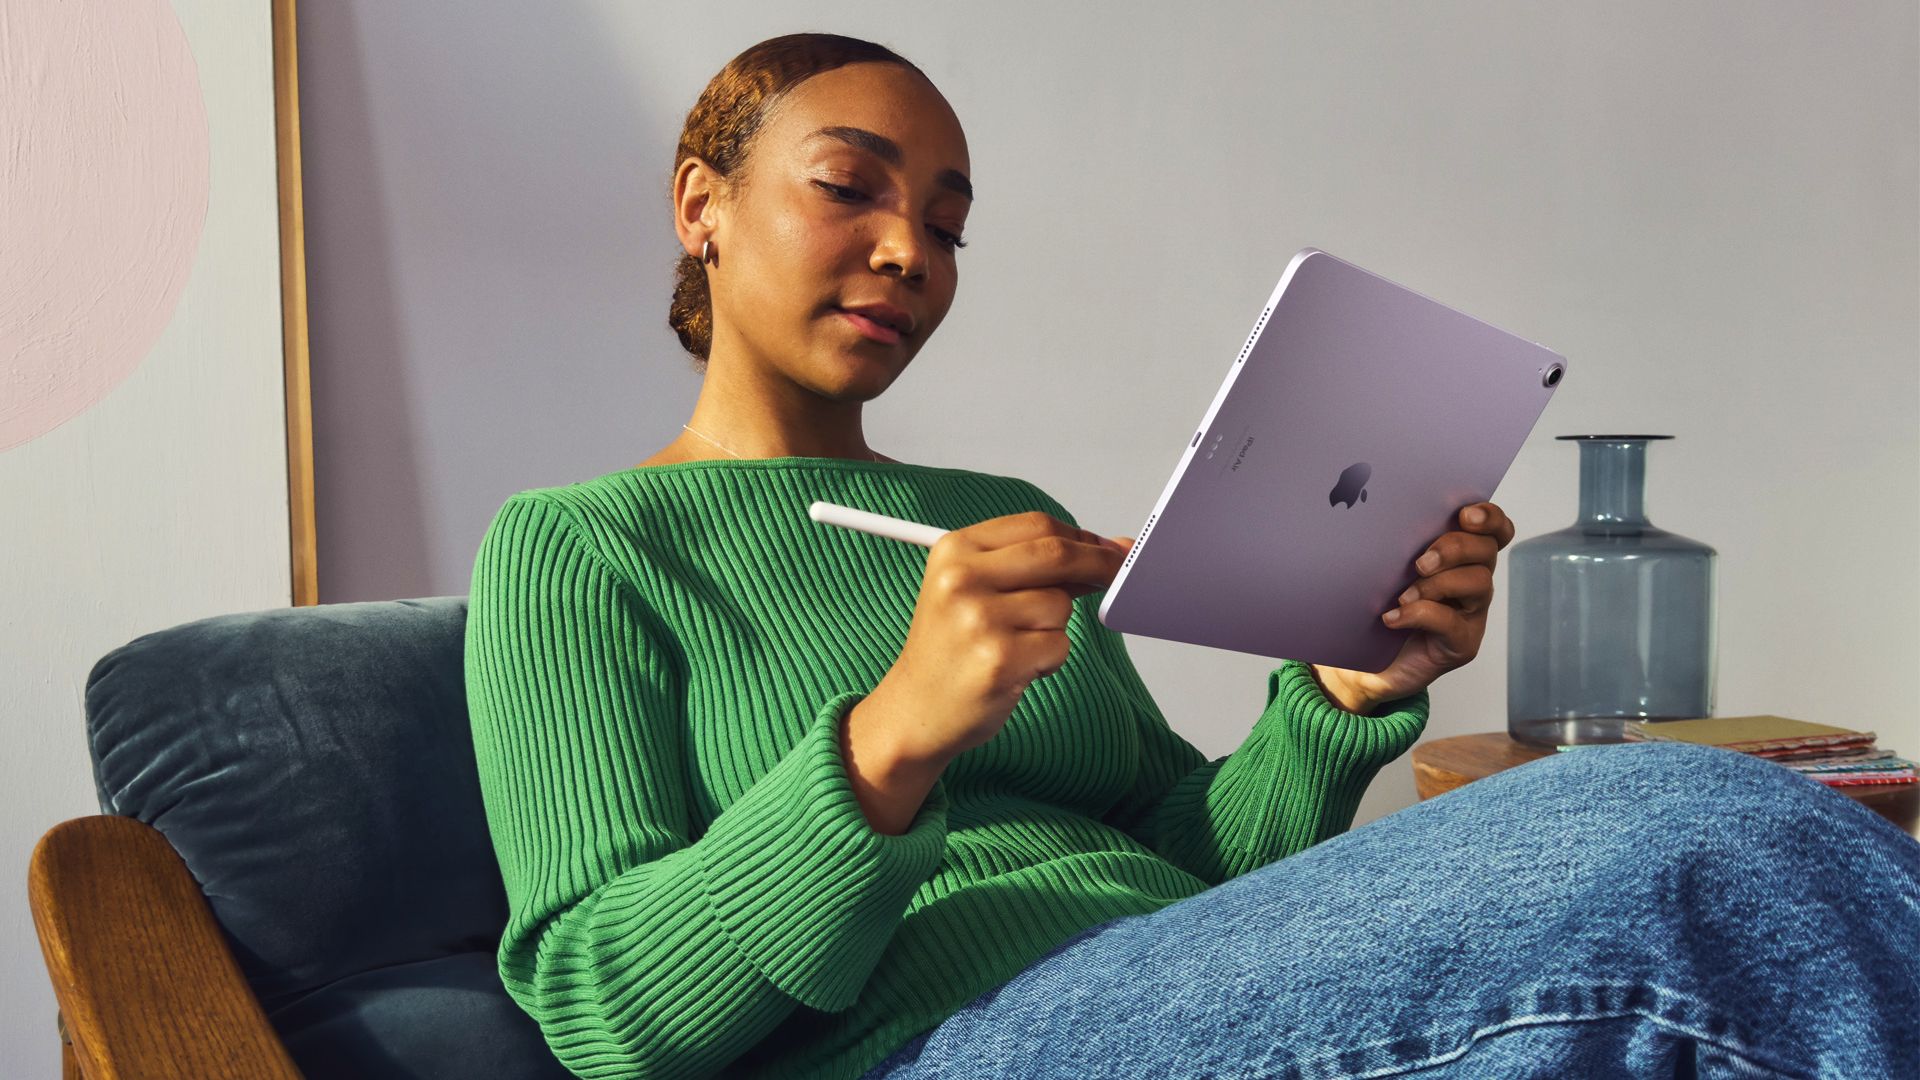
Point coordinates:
[(697, 190)]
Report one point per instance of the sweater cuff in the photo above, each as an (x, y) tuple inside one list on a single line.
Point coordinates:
[(1343, 746), (802, 882), (1334, 753), (1354, 745)]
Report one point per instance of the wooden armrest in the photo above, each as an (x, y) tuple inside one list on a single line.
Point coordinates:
[(69, 1065), (145, 982)]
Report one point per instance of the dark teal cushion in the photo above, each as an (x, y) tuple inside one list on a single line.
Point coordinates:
[(314, 768), (444, 1017)]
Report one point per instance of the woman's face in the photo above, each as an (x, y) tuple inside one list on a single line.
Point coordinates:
[(829, 221)]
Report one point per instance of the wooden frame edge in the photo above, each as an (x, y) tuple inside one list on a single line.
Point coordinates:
[(303, 542)]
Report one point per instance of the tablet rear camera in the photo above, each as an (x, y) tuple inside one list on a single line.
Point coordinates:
[(1552, 376)]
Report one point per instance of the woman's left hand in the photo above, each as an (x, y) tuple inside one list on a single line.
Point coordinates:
[(1446, 607)]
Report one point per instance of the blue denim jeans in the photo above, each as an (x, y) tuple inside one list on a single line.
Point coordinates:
[(1632, 910)]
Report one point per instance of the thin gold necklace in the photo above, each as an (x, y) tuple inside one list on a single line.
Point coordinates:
[(730, 450)]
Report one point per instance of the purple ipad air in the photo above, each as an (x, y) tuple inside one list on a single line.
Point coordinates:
[(1357, 421)]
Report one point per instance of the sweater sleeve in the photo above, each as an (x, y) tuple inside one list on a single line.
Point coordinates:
[(1296, 780), (639, 948)]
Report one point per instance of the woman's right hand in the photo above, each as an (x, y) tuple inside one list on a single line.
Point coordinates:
[(991, 618)]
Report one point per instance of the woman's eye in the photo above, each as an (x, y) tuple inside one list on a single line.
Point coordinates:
[(848, 194)]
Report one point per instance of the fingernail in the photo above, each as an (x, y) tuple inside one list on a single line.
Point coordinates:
[(1409, 595), (1393, 616), (1427, 562), (1476, 516)]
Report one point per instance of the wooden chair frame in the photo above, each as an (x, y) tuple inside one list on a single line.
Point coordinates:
[(146, 985)]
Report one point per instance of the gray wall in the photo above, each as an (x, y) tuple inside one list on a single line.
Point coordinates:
[(1709, 208)]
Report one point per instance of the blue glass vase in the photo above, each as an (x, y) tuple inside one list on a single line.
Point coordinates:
[(1610, 619)]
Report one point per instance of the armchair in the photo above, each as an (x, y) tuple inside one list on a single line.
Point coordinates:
[(291, 873)]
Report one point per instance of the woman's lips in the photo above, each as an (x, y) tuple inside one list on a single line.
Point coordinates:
[(871, 329)]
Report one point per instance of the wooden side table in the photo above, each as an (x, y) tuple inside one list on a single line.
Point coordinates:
[(1444, 764)]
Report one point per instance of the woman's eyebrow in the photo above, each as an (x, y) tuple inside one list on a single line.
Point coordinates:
[(889, 151)]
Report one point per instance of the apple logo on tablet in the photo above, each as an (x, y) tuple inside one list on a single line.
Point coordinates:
[(1352, 480)]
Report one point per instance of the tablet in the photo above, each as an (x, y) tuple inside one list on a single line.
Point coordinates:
[(1355, 424)]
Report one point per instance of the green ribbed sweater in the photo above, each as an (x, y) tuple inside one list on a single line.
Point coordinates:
[(657, 664)]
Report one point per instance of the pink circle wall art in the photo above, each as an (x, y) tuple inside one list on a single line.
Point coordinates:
[(104, 168)]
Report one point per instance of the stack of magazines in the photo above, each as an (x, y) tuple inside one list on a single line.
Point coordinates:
[(1832, 755)]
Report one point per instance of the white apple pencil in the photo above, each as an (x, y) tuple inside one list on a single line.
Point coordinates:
[(893, 528), (866, 521)]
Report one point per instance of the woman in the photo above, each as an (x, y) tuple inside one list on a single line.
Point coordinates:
[(782, 800)]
